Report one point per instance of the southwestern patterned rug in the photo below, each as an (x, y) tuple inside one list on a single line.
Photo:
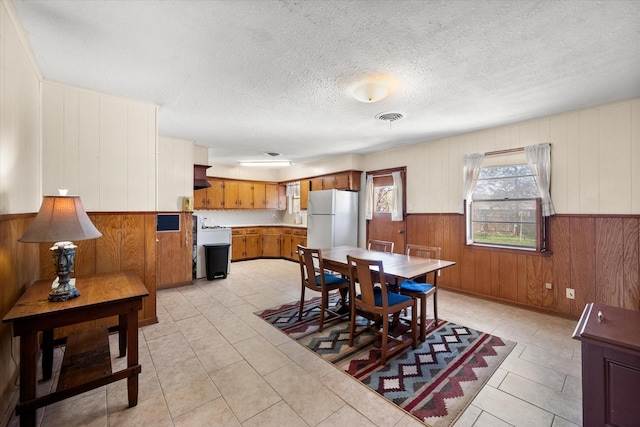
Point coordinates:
[(434, 382)]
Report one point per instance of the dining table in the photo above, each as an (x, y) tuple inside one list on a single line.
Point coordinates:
[(396, 268), (399, 266)]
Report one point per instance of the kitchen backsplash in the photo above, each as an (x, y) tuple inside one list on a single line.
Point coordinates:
[(248, 217)]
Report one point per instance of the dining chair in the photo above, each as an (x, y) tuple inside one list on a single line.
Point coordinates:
[(421, 289), (380, 246), (376, 303), (314, 277)]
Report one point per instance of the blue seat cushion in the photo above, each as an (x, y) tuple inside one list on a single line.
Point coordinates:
[(330, 279), (392, 297), (410, 285)]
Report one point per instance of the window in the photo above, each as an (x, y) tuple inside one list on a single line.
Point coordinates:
[(383, 199), (505, 208)]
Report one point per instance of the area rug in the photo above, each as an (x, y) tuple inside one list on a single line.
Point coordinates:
[(434, 382)]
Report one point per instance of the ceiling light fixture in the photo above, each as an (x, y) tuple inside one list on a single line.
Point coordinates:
[(373, 89), (265, 163)]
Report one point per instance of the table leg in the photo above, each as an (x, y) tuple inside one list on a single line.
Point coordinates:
[(28, 368), (47, 354), (132, 356), (122, 334)]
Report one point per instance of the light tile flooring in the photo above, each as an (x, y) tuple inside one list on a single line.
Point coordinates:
[(211, 362)]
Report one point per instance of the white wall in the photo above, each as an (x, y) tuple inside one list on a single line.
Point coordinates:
[(595, 156), (101, 147), (175, 172), (19, 118)]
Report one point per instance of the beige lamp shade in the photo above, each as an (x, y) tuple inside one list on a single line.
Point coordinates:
[(60, 218)]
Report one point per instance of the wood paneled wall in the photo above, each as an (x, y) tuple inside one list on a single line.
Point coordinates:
[(598, 256), (128, 242), (18, 270)]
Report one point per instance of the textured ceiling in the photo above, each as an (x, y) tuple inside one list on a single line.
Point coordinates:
[(245, 77)]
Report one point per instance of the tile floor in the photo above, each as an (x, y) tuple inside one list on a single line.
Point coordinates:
[(211, 362)]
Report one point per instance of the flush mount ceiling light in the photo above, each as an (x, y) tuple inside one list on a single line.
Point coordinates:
[(271, 154), (373, 89), (265, 163)]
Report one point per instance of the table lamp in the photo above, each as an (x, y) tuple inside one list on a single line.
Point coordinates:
[(61, 219)]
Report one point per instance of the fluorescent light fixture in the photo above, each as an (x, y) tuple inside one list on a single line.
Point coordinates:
[(265, 163)]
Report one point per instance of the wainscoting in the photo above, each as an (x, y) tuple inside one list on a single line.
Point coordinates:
[(597, 256)]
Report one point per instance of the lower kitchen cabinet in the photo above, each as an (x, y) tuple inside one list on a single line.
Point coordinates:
[(271, 245), (245, 244)]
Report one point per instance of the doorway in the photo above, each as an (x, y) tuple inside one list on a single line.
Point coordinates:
[(381, 227)]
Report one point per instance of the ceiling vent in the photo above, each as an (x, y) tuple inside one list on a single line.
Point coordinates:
[(390, 117)]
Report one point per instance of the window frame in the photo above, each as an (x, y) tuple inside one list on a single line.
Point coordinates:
[(540, 223)]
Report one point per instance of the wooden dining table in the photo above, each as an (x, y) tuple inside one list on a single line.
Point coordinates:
[(397, 265)]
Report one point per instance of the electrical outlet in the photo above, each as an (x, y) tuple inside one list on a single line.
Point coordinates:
[(571, 293), (548, 285)]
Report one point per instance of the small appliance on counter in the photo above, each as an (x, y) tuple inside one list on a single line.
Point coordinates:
[(205, 233)]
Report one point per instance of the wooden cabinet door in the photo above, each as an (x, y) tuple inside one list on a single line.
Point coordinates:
[(304, 194), (231, 190), (328, 182), (341, 181), (237, 247), (200, 199), (285, 248), (271, 196), (245, 195), (215, 194), (253, 247), (316, 184), (271, 245), (259, 195), (295, 241)]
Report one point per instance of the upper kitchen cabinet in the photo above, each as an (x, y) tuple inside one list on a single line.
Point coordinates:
[(101, 147), (275, 197), (349, 180), (211, 197), (238, 195), (304, 193)]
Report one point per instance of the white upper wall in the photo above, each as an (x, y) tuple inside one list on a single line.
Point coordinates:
[(175, 172), (101, 147), (595, 157), (20, 154)]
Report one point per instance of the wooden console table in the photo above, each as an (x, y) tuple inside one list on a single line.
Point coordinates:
[(101, 296), (610, 365)]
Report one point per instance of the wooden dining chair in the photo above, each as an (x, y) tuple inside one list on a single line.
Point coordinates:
[(376, 303), (420, 288), (380, 246), (314, 277)]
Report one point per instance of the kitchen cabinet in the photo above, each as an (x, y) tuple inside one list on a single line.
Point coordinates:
[(259, 195), (238, 195), (316, 183), (304, 194), (271, 242), (273, 193), (211, 197), (245, 243), (291, 238), (349, 180), (285, 247)]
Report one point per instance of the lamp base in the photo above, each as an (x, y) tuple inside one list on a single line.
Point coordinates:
[(64, 292)]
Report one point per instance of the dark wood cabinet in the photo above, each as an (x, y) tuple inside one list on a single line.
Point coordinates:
[(610, 338)]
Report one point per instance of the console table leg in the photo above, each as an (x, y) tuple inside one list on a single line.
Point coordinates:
[(47, 354), (28, 368), (132, 356)]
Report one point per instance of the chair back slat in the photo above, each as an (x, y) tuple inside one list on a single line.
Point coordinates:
[(361, 271), (380, 246), (432, 252), (310, 260)]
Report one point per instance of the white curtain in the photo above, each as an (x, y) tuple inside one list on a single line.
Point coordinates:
[(539, 158), (293, 190), (471, 171), (396, 197), (368, 198)]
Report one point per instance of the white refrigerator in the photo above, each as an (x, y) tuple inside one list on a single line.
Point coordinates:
[(332, 219)]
